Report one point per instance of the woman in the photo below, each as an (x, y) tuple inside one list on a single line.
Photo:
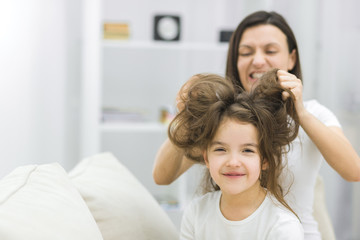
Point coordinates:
[(264, 40)]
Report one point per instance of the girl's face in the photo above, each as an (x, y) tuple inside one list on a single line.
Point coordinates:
[(262, 48), (233, 158)]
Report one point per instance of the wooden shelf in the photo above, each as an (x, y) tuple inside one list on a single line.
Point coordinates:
[(164, 45)]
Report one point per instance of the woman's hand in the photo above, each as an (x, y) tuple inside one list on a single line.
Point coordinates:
[(181, 98), (291, 82), (331, 141)]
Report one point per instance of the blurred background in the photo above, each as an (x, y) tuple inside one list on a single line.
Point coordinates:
[(63, 79)]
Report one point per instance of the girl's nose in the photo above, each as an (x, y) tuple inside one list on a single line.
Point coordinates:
[(234, 161)]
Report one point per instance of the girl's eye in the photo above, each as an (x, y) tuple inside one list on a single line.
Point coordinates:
[(219, 149), (248, 150)]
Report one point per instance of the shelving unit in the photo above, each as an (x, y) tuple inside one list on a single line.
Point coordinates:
[(164, 45), (143, 77)]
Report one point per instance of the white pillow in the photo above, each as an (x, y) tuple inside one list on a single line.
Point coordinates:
[(121, 206), (39, 202)]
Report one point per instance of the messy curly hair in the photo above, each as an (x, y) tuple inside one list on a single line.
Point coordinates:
[(210, 99)]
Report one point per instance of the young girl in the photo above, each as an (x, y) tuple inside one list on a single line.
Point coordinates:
[(241, 138)]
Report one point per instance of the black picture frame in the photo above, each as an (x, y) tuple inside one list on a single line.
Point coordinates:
[(167, 28)]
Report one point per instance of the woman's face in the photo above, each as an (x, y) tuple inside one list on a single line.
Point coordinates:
[(262, 48), (233, 158)]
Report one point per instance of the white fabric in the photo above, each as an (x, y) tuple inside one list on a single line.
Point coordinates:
[(203, 220), (38, 202), (121, 206), (304, 161), (321, 214)]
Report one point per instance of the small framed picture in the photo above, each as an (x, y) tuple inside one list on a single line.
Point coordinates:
[(167, 28), (225, 35)]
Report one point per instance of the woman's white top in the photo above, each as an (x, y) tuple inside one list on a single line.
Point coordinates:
[(203, 220), (304, 161)]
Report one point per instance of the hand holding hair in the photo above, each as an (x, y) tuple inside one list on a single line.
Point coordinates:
[(294, 84)]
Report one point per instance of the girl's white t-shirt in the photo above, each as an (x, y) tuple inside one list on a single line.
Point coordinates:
[(203, 220)]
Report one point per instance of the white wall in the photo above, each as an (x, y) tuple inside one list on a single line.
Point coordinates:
[(338, 87), (33, 60), (74, 42)]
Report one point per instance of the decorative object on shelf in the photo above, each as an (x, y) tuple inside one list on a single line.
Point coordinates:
[(168, 202), (167, 28), (167, 114), (225, 35), (119, 31)]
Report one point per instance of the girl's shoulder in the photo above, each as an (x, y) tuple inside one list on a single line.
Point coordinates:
[(207, 198), (204, 202), (284, 223), (277, 209)]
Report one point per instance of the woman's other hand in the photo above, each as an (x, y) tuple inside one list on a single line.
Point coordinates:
[(181, 97)]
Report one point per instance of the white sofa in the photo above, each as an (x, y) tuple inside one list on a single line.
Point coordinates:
[(98, 199)]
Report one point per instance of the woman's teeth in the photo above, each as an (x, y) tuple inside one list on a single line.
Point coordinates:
[(256, 75)]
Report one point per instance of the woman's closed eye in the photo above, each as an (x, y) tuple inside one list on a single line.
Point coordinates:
[(246, 51), (245, 54), (271, 52), (271, 49)]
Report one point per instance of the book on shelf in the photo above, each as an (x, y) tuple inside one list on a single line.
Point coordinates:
[(116, 30)]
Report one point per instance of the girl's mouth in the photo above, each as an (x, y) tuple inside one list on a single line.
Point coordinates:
[(233, 174)]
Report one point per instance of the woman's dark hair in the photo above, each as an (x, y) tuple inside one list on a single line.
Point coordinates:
[(211, 99), (255, 19)]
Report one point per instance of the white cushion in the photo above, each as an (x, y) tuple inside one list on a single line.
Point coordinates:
[(121, 206), (40, 202)]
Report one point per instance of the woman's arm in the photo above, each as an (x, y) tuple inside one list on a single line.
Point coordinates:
[(170, 163), (334, 146), (331, 141)]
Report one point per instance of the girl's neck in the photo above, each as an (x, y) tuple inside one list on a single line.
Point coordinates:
[(238, 207)]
